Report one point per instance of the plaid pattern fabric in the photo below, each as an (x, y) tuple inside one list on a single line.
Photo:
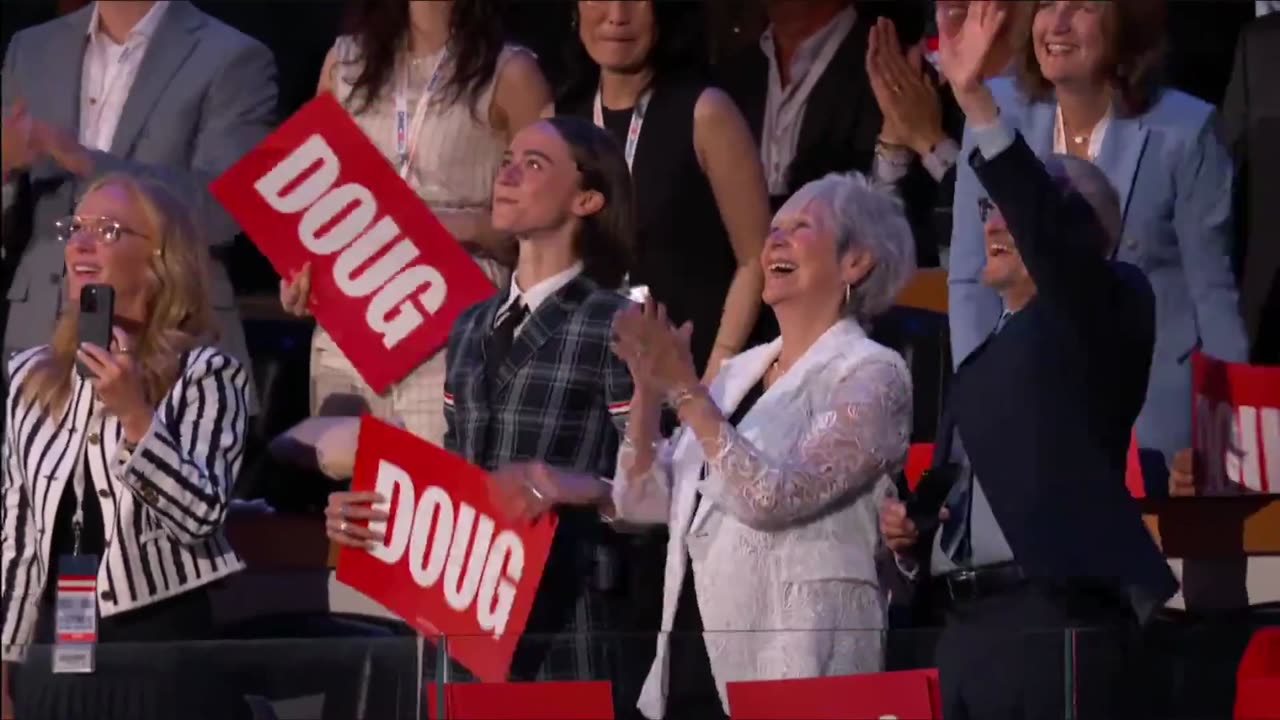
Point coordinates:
[(561, 396)]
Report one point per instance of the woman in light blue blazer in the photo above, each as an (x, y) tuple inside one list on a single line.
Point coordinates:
[(1084, 85)]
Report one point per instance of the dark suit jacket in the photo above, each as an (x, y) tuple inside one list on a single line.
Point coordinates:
[(1045, 407), (840, 126), (1251, 125)]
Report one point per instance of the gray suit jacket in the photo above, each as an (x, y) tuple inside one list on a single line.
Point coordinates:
[(204, 95)]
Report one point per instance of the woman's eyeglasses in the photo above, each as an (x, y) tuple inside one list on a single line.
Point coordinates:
[(985, 208), (105, 230)]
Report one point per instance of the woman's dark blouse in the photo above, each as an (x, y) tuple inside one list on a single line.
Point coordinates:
[(682, 248)]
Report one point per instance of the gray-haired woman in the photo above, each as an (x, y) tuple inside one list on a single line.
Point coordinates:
[(772, 484)]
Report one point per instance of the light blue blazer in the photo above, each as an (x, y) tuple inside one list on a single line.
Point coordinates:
[(1174, 178)]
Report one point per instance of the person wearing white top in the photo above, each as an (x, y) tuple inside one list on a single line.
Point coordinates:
[(771, 486)]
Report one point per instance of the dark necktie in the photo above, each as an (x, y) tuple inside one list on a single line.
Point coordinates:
[(503, 334), (956, 535)]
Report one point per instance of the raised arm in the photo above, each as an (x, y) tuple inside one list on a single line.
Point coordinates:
[(860, 437), (184, 469)]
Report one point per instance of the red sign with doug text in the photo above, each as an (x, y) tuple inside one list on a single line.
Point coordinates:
[(1236, 426), (449, 564), (387, 280)]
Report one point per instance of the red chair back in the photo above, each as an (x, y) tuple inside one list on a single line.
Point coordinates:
[(522, 701), (1258, 678), (909, 694)]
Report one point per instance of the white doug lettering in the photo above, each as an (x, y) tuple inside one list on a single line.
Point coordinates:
[(1229, 440), (479, 570), (373, 258)]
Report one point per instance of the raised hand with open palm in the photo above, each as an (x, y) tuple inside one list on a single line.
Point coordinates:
[(967, 37)]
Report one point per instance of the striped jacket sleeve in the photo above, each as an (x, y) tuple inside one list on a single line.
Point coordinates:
[(17, 530), (185, 466)]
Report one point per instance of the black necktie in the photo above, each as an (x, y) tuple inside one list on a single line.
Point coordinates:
[(503, 334), (956, 535)]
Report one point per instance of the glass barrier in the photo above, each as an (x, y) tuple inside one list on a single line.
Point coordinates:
[(353, 668)]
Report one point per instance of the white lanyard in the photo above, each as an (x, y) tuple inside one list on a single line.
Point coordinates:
[(406, 133), (79, 485), (633, 130)]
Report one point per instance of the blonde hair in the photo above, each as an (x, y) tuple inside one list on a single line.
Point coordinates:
[(178, 313)]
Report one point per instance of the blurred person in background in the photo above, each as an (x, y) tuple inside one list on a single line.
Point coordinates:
[(131, 467), (1251, 126), (772, 483), (701, 209), (443, 71), (531, 377), (1086, 86), (154, 88), (804, 90), (638, 70)]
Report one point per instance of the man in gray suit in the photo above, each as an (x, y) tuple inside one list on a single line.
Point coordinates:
[(153, 88)]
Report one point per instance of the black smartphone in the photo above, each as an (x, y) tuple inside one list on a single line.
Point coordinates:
[(930, 495), (93, 324)]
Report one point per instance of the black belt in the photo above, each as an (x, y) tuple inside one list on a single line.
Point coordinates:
[(977, 583)]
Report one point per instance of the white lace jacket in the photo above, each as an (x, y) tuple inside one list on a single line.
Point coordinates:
[(786, 535)]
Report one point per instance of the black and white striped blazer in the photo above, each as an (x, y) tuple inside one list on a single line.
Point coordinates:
[(163, 505)]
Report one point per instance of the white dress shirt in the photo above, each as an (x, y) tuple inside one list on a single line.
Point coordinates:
[(784, 107), (536, 295), (108, 75), (1096, 136)]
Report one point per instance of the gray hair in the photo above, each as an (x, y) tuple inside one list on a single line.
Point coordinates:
[(1097, 190), (864, 216)]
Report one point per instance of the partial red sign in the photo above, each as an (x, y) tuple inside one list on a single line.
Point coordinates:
[(581, 700), (387, 280), (450, 564), (1236, 426), (903, 694)]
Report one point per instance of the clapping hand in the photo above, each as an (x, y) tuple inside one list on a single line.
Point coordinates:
[(907, 96), (656, 353), (527, 490)]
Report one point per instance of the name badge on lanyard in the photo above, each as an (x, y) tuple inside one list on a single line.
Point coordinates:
[(407, 132), (637, 293), (76, 624), (76, 609)]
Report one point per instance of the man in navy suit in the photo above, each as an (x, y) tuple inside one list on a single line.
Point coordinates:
[(1041, 557)]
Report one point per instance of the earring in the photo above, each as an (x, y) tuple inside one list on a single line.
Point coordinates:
[(848, 295)]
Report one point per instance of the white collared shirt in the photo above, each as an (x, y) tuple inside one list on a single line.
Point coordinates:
[(536, 295), (108, 74), (784, 107), (1096, 136)]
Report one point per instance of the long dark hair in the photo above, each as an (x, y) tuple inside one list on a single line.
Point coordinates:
[(606, 238), (380, 28), (680, 49)]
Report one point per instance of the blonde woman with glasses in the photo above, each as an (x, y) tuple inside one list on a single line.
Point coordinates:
[(125, 468)]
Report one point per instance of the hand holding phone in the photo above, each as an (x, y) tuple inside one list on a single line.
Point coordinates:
[(926, 503), (94, 322)]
